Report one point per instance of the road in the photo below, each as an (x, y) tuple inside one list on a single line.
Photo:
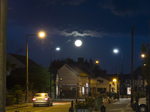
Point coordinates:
[(122, 105), (57, 107)]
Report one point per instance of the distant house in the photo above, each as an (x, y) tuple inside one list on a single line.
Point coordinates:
[(19, 61), (72, 82), (75, 82), (99, 85)]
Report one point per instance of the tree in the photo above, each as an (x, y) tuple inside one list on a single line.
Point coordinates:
[(38, 79)]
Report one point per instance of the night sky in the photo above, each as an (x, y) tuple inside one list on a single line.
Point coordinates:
[(102, 25)]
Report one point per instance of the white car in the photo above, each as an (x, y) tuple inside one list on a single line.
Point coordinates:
[(142, 105), (42, 99)]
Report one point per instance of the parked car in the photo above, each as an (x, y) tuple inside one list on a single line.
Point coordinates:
[(142, 105), (42, 99)]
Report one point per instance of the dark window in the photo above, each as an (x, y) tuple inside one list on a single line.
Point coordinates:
[(100, 81), (101, 90)]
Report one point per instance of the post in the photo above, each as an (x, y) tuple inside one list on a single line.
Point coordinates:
[(3, 33), (50, 88), (71, 108), (132, 91), (27, 68)]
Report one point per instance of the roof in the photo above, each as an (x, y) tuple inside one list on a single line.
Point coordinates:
[(77, 70), (23, 60)]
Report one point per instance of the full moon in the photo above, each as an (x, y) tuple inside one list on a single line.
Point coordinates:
[(78, 43)]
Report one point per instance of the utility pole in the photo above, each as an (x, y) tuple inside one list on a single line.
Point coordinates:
[(132, 88), (3, 32)]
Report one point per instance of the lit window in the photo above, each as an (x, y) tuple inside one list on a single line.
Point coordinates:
[(82, 90)]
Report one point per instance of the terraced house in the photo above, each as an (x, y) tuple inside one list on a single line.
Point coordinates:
[(76, 82)]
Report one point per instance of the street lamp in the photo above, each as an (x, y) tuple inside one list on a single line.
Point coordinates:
[(41, 35), (116, 82), (57, 49), (116, 51), (97, 62), (144, 65)]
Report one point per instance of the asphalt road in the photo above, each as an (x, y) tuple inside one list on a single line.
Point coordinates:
[(121, 105), (57, 107)]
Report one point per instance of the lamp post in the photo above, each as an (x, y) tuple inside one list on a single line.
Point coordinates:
[(144, 65), (116, 51), (57, 49), (41, 35), (116, 81)]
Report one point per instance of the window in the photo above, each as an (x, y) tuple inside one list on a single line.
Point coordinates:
[(101, 90), (100, 81)]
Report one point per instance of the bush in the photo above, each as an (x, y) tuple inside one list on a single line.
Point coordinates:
[(9, 100), (81, 105)]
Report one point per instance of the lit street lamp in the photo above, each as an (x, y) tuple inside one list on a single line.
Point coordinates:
[(57, 49), (97, 62), (116, 51), (41, 35), (143, 55), (116, 82)]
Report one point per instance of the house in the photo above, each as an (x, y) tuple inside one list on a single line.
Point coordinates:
[(18, 61), (73, 81), (99, 85)]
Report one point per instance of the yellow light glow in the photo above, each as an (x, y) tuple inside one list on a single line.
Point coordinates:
[(97, 62), (114, 80), (143, 55), (41, 34)]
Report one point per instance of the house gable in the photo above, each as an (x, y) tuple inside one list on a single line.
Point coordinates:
[(67, 76)]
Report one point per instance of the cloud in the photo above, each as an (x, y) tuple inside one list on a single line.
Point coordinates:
[(86, 33), (123, 8)]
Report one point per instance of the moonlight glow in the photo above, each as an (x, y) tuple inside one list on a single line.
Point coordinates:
[(78, 43)]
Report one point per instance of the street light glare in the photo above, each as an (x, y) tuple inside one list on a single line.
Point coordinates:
[(114, 80), (143, 55), (78, 43), (57, 48), (41, 34), (97, 62), (116, 51)]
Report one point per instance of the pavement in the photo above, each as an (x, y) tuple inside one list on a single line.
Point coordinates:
[(122, 105)]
